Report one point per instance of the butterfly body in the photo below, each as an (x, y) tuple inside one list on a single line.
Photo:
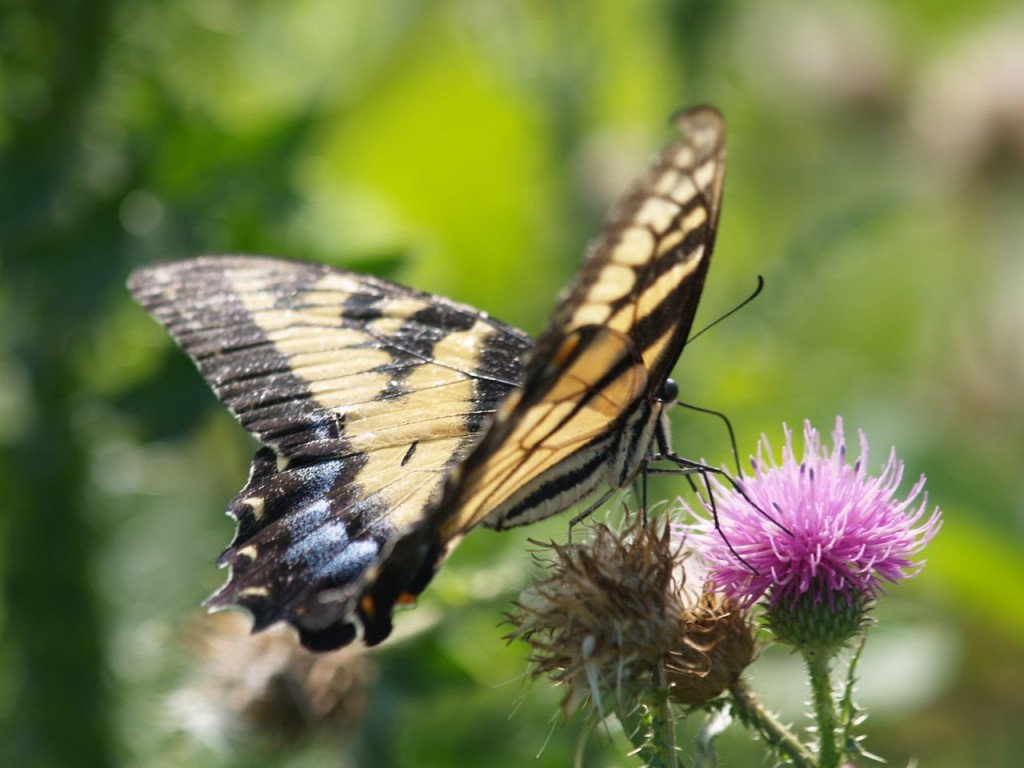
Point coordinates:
[(395, 421)]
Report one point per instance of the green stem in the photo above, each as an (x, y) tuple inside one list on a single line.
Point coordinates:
[(849, 717), (824, 707), (749, 711), (664, 733), (651, 728)]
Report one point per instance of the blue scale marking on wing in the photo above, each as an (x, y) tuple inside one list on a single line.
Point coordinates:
[(322, 545)]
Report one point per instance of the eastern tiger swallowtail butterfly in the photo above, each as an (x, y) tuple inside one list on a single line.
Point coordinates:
[(394, 421)]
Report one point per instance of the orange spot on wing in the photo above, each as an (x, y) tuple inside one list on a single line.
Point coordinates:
[(368, 607)]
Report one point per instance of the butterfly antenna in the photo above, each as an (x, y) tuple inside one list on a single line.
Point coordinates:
[(733, 311)]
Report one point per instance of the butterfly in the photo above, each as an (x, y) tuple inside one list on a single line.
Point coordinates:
[(394, 421)]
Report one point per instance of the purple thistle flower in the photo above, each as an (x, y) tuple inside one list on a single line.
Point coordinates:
[(834, 529)]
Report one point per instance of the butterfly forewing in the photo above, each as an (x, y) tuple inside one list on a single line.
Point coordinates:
[(591, 394), (365, 394)]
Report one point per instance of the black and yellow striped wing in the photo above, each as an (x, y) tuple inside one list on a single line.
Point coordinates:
[(592, 398), (395, 421), (364, 394), (592, 392)]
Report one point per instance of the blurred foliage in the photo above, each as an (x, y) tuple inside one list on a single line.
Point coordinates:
[(470, 148)]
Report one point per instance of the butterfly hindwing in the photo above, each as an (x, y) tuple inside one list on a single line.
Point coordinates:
[(364, 394)]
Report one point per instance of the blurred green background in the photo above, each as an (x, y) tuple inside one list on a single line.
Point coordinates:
[(876, 180)]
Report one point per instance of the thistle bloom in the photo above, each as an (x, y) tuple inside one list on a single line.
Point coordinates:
[(814, 530), (620, 615)]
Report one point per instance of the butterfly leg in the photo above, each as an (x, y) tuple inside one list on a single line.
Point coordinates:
[(591, 509), (728, 427), (689, 468)]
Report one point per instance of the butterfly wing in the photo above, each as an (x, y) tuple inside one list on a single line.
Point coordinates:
[(364, 394), (590, 403)]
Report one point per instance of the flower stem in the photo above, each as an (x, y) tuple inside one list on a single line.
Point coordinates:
[(749, 711), (651, 727), (824, 706), (664, 734)]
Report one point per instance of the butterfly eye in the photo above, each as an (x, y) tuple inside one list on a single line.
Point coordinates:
[(669, 391)]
